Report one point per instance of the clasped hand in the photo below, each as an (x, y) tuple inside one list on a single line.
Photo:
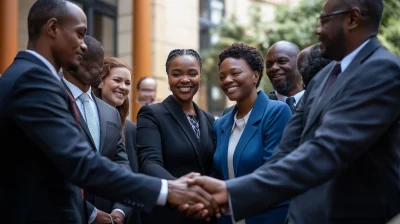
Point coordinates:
[(199, 197)]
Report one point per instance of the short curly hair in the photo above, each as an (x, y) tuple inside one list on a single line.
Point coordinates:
[(249, 54)]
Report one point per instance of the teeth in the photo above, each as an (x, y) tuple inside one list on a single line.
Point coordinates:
[(184, 89), (231, 89), (119, 94)]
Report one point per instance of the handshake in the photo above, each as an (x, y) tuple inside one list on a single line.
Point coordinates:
[(198, 197)]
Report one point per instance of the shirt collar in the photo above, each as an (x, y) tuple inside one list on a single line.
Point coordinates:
[(76, 92), (349, 58), (245, 118), (283, 98), (46, 62)]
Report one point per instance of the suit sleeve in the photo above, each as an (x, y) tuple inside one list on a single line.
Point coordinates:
[(273, 130), (149, 145), (121, 157), (291, 135), (350, 125), (40, 108)]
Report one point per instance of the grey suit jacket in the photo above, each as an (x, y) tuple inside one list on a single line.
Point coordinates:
[(346, 167), (50, 158)]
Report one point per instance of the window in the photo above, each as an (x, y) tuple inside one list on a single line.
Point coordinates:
[(102, 22)]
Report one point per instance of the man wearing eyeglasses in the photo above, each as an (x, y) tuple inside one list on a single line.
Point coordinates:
[(147, 91), (346, 168)]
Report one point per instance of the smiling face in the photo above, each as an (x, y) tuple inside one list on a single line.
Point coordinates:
[(184, 77), (116, 86), (281, 67), (331, 32), (237, 79), (69, 45)]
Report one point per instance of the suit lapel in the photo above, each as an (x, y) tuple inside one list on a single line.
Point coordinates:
[(81, 118), (177, 113), (322, 101), (103, 123), (251, 128), (226, 134)]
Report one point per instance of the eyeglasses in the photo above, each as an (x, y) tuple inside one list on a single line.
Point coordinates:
[(335, 13)]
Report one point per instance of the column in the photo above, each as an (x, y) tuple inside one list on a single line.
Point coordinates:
[(8, 32), (141, 47)]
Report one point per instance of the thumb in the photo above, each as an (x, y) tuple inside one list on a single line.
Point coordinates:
[(192, 175), (199, 180)]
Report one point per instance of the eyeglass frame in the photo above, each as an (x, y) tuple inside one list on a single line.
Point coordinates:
[(335, 13)]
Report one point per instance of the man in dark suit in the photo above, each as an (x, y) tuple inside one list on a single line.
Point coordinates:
[(38, 118), (346, 167), (100, 124)]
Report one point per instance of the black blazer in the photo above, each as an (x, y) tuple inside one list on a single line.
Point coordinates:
[(111, 147), (168, 148), (346, 168), (130, 145), (50, 159)]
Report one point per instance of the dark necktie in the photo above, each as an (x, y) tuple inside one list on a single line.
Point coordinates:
[(290, 102), (332, 76)]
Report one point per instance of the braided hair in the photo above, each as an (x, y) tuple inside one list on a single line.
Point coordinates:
[(179, 52)]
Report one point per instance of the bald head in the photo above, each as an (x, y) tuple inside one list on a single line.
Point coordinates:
[(281, 68), (147, 90), (285, 46)]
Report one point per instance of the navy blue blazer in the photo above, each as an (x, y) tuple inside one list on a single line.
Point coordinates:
[(260, 137)]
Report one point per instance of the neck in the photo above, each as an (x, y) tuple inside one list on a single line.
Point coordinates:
[(187, 106), (246, 105), (44, 51), (355, 43), (71, 78)]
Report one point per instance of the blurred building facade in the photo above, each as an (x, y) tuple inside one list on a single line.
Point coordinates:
[(141, 32)]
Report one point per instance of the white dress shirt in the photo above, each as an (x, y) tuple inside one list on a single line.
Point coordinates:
[(237, 130), (283, 98)]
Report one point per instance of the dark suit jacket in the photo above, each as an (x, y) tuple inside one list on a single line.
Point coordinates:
[(271, 96), (261, 135), (168, 148), (130, 145), (111, 147), (50, 159), (346, 169)]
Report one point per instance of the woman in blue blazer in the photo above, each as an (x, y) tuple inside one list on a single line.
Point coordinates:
[(247, 135)]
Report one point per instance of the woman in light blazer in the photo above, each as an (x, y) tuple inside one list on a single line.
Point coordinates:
[(175, 137), (247, 135)]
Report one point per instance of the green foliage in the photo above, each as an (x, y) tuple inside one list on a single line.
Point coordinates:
[(296, 24)]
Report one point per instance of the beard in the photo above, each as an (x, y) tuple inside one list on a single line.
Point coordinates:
[(281, 88)]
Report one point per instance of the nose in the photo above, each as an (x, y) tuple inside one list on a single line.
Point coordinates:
[(274, 67), (83, 46), (318, 30), (123, 86), (185, 79)]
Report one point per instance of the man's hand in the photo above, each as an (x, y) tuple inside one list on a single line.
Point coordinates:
[(103, 218), (117, 217), (179, 193), (215, 187)]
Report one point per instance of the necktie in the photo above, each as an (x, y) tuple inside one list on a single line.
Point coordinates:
[(91, 120), (290, 101), (332, 76), (74, 109)]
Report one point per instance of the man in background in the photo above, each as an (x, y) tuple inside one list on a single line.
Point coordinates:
[(310, 62), (282, 71), (147, 91)]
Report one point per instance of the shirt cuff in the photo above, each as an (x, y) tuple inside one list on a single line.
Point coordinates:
[(117, 209), (92, 216), (162, 197)]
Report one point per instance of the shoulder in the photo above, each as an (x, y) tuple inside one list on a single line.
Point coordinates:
[(129, 126), (105, 106)]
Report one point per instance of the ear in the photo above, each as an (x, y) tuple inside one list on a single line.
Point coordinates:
[(354, 19), (256, 77), (52, 26), (101, 85)]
